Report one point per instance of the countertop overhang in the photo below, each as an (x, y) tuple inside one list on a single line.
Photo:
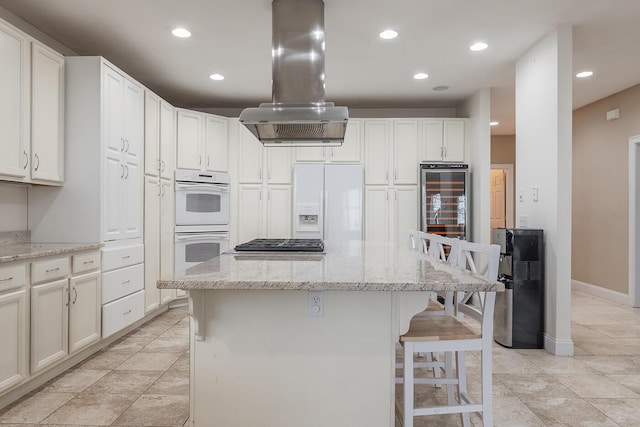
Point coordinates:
[(345, 266), (26, 251)]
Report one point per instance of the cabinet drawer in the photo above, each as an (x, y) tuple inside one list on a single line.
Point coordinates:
[(49, 269), (113, 258), (119, 314), (121, 282), (85, 262), (12, 276)]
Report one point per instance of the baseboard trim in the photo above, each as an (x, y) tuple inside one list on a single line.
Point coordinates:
[(558, 347), (600, 292)]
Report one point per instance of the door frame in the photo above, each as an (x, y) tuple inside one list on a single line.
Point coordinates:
[(634, 223), (509, 191)]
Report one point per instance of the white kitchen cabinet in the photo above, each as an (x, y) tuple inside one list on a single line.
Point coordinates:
[(47, 115), (250, 212), (167, 236), (14, 318), (189, 139), (405, 151), (350, 151), (84, 310), (152, 248), (443, 140), (279, 165), (151, 133), (104, 132), (376, 213), (250, 158), (167, 140), (216, 144), (49, 323), (279, 213), (202, 141), (390, 212), (377, 155), (14, 104)]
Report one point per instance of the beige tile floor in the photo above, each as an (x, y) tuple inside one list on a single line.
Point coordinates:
[(599, 386), (142, 379)]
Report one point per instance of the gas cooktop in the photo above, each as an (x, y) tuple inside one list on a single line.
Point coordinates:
[(282, 245)]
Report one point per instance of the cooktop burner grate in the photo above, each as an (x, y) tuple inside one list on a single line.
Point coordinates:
[(282, 245)]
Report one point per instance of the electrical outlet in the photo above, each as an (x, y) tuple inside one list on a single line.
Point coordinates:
[(315, 306)]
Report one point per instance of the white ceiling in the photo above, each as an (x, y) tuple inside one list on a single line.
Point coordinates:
[(233, 38)]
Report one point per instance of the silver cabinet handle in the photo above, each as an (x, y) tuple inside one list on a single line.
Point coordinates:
[(164, 190), (37, 159), (7, 279), (386, 175), (68, 296), (199, 159), (260, 173), (162, 167), (126, 282), (395, 195), (126, 168), (88, 262), (127, 141), (121, 144), (126, 257), (208, 161), (441, 151), (51, 270), (269, 174), (26, 159), (126, 312), (387, 194), (75, 295), (395, 174), (122, 171), (159, 191), (269, 194), (445, 152)]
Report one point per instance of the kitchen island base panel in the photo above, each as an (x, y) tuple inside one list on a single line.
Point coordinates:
[(260, 360)]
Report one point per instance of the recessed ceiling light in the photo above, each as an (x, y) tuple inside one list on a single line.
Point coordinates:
[(584, 74), (181, 32), (216, 77), (388, 34), (440, 88), (478, 46), (494, 123), (420, 76)]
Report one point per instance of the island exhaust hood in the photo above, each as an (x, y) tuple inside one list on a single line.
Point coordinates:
[(298, 115)]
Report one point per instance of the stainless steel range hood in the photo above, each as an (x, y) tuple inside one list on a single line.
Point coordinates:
[(298, 115)]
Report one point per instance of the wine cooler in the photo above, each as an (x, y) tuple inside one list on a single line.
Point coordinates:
[(444, 203)]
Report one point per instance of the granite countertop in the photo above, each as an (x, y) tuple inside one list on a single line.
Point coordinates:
[(25, 251), (345, 266)]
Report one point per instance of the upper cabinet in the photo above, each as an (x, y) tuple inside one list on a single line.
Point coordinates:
[(202, 141), (31, 109), (159, 136), (391, 151), (350, 151), (443, 140)]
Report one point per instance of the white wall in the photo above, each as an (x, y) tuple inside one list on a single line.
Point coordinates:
[(478, 154), (543, 156), (13, 207)]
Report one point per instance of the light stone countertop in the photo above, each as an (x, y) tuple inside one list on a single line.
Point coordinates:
[(345, 266), (26, 251)]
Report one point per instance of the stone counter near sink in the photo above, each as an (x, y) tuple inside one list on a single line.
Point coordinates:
[(15, 246)]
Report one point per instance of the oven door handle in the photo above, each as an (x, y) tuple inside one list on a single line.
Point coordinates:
[(213, 188), (208, 236)]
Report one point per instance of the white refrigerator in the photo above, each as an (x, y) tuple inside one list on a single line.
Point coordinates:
[(327, 201)]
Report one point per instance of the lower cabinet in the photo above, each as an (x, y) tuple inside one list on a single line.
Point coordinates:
[(13, 336), (65, 317), (122, 312), (390, 212)]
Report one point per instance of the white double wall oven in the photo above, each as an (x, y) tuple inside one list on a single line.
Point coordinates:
[(202, 217)]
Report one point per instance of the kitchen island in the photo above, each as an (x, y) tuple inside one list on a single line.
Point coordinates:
[(260, 357)]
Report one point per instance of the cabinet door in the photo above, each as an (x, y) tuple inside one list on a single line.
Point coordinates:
[(279, 211), (453, 140), (49, 323), (13, 336), (151, 134), (376, 213), (14, 104), (112, 93), (167, 140), (249, 158), (167, 222), (376, 154), (279, 165), (432, 149), (309, 154), (112, 184), (131, 202), (189, 140), (152, 192), (133, 122), (405, 216), (351, 149), (47, 118), (249, 212), (405, 152), (216, 144), (84, 311)]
